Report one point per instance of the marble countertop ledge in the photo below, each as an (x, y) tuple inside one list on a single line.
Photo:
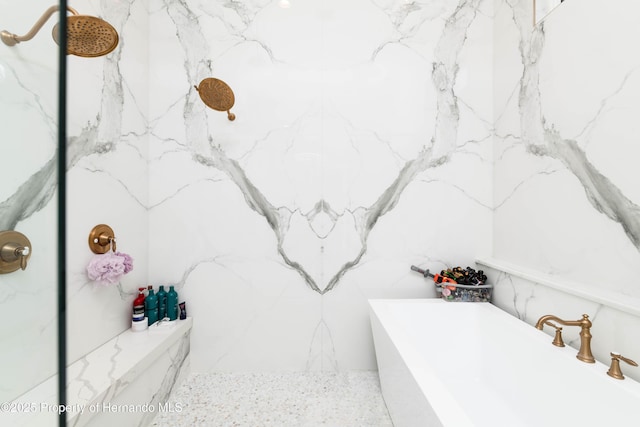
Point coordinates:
[(99, 376), (620, 302)]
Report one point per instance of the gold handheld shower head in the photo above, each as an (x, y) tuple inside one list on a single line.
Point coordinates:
[(217, 95), (87, 36)]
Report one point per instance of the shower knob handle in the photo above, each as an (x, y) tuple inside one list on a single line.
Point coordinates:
[(15, 251), (23, 253)]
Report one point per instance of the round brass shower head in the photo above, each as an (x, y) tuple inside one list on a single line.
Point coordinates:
[(88, 36), (217, 95)]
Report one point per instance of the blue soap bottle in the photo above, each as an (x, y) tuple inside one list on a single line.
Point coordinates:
[(162, 303), (151, 307), (172, 303)]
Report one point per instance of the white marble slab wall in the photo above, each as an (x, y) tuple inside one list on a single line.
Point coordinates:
[(566, 103), (362, 145), (107, 178), (29, 126), (107, 183)]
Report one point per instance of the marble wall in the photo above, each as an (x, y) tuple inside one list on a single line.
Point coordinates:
[(277, 227), (566, 102), (107, 183), (107, 177), (362, 145), (29, 126)]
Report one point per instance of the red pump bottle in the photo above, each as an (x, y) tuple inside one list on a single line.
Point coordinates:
[(138, 303)]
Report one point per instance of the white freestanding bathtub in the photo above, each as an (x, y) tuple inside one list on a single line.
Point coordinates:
[(472, 364)]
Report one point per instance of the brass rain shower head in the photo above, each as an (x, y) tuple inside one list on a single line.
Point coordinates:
[(217, 95), (87, 36)]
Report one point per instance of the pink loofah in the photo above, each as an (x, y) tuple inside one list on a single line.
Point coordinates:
[(128, 261), (108, 268)]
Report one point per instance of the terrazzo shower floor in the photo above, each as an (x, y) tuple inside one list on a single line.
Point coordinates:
[(305, 399)]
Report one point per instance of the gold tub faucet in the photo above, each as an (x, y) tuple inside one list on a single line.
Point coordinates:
[(584, 353)]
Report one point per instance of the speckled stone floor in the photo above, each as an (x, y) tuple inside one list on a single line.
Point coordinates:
[(305, 399)]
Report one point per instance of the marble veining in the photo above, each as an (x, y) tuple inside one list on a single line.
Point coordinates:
[(445, 69), (170, 380), (30, 197), (102, 376), (444, 140), (407, 19), (558, 140), (605, 197), (322, 349)]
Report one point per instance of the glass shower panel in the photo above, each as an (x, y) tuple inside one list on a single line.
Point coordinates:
[(28, 184)]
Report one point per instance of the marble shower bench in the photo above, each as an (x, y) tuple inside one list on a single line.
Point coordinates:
[(126, 381)]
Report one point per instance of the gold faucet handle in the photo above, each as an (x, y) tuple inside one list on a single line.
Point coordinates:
[(557, 339), (615, 371), (624, 359)]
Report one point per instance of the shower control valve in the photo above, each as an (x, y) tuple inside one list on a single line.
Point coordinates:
[(15, 251)]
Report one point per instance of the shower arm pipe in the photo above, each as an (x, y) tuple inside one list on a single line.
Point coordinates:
[(11, 39)]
